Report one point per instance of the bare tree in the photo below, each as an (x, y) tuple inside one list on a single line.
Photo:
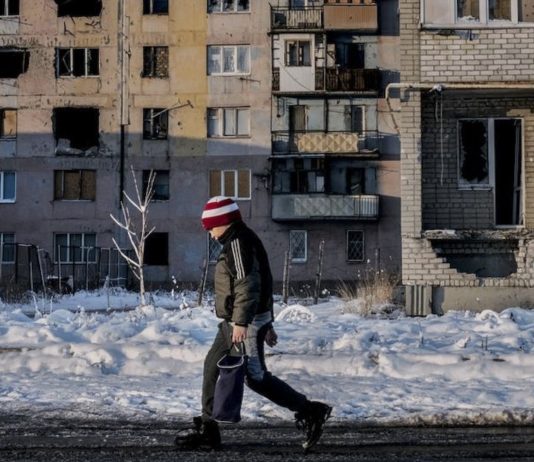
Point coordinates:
[(137, 230)]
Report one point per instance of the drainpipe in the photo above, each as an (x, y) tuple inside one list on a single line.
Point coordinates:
[(438, 87), (123, 93)]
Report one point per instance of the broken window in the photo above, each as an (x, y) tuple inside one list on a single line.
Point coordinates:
[(8, 182), (7, 248), (155, 6), (155, 124), (299, 175), (230, 183), (214, 249), (298, 53), (78, 7), (74, 185), (161, 184), (468, 10), (233, 59), (77, 62), (8, 123), (9, 7), (355, 247), (157, 249), (156, 62), (350, 55), (298, 246), (228, 6), (13, 62), (228, 121), (298, 120), (76, 130), (75, 248), (474, 160), (491, 156)]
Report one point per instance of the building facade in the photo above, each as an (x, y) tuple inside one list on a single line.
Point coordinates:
[(218, 98), (467, 138)]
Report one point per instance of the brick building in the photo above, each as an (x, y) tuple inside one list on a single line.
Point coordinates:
[(467, 137)]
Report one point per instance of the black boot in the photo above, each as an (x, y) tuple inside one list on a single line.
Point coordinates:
[(311, 420), (203, 436)]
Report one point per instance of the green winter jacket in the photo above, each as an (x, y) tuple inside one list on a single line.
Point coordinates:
[(243, 279)]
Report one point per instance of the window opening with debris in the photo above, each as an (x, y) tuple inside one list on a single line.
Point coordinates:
[(8, 123), (490, 156), (161, 184), (77, 62), (9, 7), (76, 130), (78, 8), (155, 124), (228, 6), (350, 55), (156, 62), (75, 185), (298, 246), (8, 186), (13, 62), (231, 183), (155, 6), (157, 249), (355, 246)]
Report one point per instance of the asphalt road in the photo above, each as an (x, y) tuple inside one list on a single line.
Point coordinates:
[(29, 438)]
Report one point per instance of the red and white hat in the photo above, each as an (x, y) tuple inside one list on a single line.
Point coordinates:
[(220, 211)]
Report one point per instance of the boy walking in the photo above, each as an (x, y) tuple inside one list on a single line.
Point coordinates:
[(243, 300)]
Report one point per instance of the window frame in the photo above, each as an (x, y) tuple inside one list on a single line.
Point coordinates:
[(3, 199), (300, 53), (71, 257), (303, 259), (347, 240), (150, 115), (87, 57), (221, 71), (3, 117), (148, 9), (61, 197), (3, 242), (453, 21), (218, 116), (235, 10), (221, 190), (5, 10), (161, 174)]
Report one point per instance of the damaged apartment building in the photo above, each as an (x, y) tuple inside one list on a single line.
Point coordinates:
[(280, 105), (467, 164)]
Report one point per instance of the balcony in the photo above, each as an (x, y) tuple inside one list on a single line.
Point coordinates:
[(296, 19), (320, 142), (346, 15), (340, 79), (321, 207)]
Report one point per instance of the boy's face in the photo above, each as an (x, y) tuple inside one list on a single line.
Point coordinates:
[(218, 231)]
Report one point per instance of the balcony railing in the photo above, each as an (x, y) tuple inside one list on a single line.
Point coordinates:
[(320, 207), (352, 79), (346, 15), (297, 19), (320, 142)]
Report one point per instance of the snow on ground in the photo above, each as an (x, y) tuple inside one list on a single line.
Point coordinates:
[(73, 356)]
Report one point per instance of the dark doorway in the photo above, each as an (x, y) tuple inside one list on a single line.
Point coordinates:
[(508, 172)]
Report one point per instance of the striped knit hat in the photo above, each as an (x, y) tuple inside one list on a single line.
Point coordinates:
[(220, 211)]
